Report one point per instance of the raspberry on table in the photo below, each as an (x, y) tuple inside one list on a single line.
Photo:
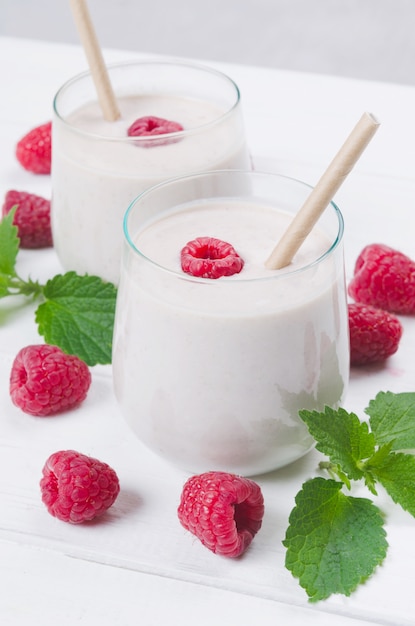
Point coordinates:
[(77, 488), (32, 218), (34, 150), (374, 334), (150, 126), (207, 257), (384, 278), (45, 381), (223, 510)]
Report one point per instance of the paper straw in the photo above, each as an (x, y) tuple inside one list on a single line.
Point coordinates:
[(95, 60), (323, 192)]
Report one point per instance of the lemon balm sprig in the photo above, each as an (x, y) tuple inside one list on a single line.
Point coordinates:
[(335, 541), (75, 312)]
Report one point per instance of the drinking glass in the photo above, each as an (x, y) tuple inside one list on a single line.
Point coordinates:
[(97, 169), (211, 373)]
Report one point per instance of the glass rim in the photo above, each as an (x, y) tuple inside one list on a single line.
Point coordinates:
[(283, 273), (148, 138)]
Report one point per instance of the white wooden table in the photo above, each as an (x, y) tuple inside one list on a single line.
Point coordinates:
[(139, 566)]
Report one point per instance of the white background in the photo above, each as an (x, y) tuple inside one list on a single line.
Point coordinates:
[(369, 39)]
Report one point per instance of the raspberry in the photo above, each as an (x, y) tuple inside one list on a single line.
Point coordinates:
[(223, 510), (76, 488), (44, 380), (207, 257), (32, 218), (374, 334), (149, 126), (34, 150), (384, 278)]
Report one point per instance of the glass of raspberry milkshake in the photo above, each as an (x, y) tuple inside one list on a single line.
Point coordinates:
[(176, 118), (214, 354)]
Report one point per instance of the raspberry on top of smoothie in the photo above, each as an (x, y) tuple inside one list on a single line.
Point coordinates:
[(208, 257), (151, 125)]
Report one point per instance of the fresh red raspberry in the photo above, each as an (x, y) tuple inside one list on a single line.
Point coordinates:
[(149, 126), (223, 510), (44, 380), (32, 218), (384, 278), (34, 150), (77, 488), (207, 257), (374, 334)]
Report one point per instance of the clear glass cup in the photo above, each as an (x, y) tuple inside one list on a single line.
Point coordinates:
[(97, 170), (211, 373)]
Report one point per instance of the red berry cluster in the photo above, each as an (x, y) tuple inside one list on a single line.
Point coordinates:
[(382, 286), (34, 153), (45, 381), (32, 215), (223, 510)]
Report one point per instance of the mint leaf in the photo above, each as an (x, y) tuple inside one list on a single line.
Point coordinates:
[(334, 542), (78, 316), (9, 247), (342, 437), (397, 475), (376, 460), (392, 417)]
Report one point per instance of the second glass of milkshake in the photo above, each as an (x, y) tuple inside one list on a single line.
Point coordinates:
[(97, 169)]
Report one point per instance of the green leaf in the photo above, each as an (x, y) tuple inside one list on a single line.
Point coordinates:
[(9, 245), (392, 416), (397, 475), (78, 316), (377, 459), (342, 437), (334, 542)]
